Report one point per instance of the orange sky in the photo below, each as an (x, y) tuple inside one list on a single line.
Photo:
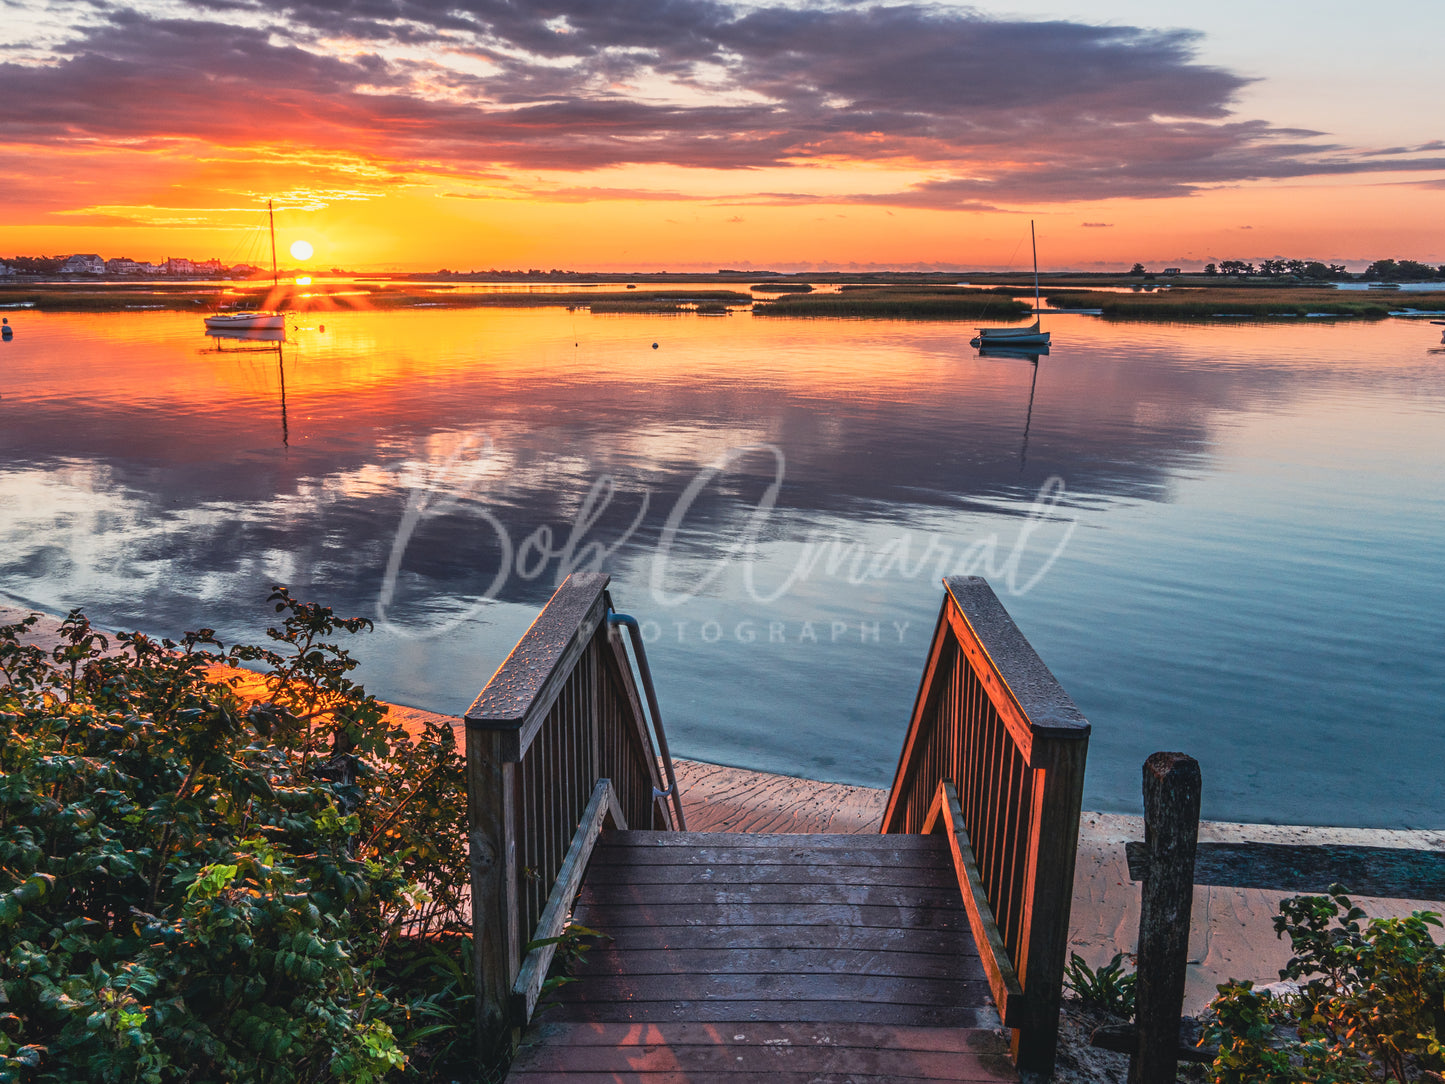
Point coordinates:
[(693, 135)]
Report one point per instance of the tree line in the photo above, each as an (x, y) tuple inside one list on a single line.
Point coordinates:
[(1318, 271)]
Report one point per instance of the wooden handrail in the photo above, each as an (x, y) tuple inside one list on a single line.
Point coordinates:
[(559, 718), (995, 755)]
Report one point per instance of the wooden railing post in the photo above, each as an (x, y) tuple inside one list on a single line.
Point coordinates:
[(1171, 835), (496, 936), (1053, 846)]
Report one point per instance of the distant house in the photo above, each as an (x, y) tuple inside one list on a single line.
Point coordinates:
[(178, 265), (211, 267), (6, 269), (1173, 271), (122, 265), (83, 263)]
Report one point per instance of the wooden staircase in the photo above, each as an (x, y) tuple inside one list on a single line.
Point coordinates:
[(729, 956), (933, 951)]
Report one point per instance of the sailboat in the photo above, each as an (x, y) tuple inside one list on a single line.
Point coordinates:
[(1018, 336), (241, 321)]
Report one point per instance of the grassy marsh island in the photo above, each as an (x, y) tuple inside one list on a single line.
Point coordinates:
[(1191, 302), (330, 296), (988, 296), (899, 302)]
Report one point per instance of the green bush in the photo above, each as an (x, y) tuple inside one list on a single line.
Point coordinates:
[(198, 888), (1371, 1005)]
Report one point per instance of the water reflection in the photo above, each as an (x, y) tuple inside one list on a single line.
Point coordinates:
[(1159, 507), (265, 340)]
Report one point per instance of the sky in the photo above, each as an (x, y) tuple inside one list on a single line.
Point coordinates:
[(692, 135)]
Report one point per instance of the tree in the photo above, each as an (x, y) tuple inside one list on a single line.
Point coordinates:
[(1211, 269), (1412, 269), (1382, 269), (1316, 270), (1137, 269)]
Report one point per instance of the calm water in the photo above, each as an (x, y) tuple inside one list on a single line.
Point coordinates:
[(1223, 538)]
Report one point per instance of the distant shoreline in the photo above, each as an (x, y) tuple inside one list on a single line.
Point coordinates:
[(994, 296)]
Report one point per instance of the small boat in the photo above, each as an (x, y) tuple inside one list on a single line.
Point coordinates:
[(245, 321), (1018, 336), (250, 320)]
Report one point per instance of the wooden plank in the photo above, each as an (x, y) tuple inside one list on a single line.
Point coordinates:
[(804, 991), (1003, 980), (607, 919), (803, 856), (750, 841), (520, 693), (1031, 685), (681, 1034), (606, 958), (952, 942), (929, 876), (741, 893), (821, 1012), (1395, 873), (892, 1063), (690, 1077), (601, 807)]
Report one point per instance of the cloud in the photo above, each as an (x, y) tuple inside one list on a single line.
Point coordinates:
[(995, 111), (1097, 225)]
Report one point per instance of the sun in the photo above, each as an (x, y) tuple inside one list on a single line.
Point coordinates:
[(301, 250)]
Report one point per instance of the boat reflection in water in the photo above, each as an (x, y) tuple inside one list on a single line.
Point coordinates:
[(266, 340), (1020, 353)]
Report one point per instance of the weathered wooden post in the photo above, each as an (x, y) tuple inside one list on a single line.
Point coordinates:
[(1171, 835), (496, 929)]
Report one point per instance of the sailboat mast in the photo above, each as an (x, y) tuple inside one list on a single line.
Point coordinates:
[(275, 280), (1032, 241)]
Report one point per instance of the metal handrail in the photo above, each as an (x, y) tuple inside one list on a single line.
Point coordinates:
[(634, 632)]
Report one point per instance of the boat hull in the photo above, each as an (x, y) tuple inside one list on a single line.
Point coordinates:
[(237, 321)]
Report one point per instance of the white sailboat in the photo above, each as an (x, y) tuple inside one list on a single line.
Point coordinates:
[(1018, 336), (246, 321)]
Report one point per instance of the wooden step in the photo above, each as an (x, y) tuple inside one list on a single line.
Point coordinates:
[(802, 957)]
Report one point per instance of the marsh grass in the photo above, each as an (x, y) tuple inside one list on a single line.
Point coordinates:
[(324, 297), (899, 302), (1262, 301)]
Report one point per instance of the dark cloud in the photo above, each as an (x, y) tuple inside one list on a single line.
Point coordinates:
[(1010, 112)]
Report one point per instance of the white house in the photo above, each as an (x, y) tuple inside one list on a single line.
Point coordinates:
[(83, 263), (6, 269), (180, 266)]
